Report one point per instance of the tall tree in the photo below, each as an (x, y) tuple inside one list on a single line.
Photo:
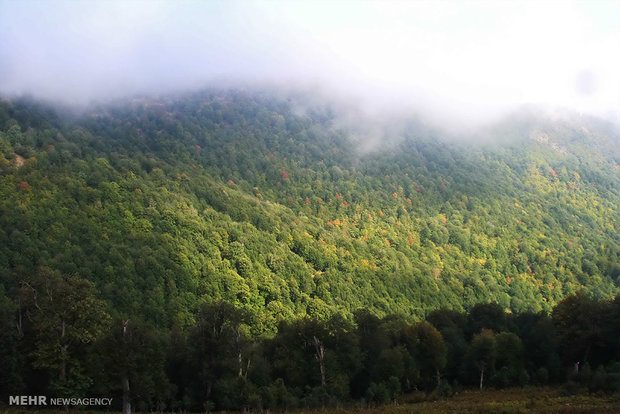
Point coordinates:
[(429, 350), (10, 359), (483, 352), (132, 354), (217, 347), (580, 323), (65, 316)]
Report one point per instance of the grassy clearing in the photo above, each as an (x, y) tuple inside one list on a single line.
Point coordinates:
[(517, 400)]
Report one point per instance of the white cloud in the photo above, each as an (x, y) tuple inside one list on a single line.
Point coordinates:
[(470, 59)]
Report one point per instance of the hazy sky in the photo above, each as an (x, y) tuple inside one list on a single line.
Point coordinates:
[(458, 57)]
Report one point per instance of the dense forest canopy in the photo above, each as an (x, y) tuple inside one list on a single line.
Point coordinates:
[(243, 197), (152, 209)]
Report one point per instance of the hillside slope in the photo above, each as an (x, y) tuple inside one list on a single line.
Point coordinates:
[(243, 197)]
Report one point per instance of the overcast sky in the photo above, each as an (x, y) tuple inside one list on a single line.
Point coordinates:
[(468, 59)]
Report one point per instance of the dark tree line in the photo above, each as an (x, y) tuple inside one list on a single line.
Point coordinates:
[(58, 340)]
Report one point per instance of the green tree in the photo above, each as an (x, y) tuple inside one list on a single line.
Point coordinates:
[(132, 358), (65, 316), (509, 357), (429, 350), (10, 358), (486, 316), (218, 347), (483, 353), (580, 323)]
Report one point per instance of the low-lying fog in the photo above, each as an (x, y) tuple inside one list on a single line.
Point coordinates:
[(455, 62)]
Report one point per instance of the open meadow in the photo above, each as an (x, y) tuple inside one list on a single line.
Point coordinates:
[(508, 401)]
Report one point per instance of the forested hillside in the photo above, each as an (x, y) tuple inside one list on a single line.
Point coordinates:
[(150, 210), (242, 197)]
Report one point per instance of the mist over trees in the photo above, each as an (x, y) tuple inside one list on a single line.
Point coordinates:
[(229, 250)]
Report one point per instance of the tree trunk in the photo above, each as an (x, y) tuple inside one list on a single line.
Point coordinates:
[(239, 353), (320, 357), (207, 406), (126, 396), (63, 355), (240, 360), (438, 377), (126, 399), (481, 376), (20, 330)]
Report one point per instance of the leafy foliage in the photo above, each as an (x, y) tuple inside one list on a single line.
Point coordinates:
[(166, 213)]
